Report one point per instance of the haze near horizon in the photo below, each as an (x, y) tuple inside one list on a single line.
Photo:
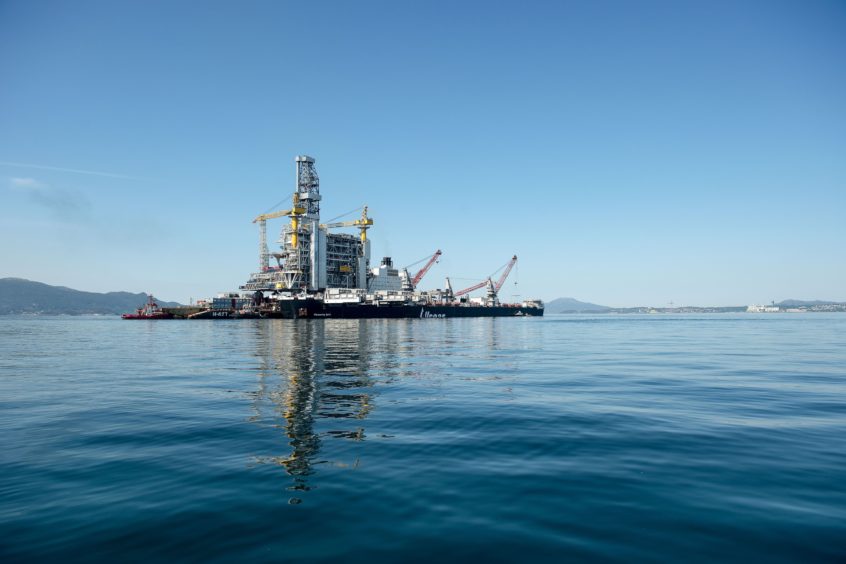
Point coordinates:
[(629, 154)]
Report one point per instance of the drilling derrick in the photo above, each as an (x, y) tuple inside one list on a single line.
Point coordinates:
[(303, 242)]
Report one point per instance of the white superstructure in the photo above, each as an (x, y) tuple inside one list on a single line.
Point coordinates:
[(385, 278)]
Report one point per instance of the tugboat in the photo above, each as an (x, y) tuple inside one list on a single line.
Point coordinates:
[(149, 310)]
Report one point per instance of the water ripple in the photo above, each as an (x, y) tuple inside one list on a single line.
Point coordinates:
[(668, 437)]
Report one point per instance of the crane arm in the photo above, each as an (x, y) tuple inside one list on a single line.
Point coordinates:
[(496, 286), (471, 288), (337, 224), (422, 272), (280, 213), (363, 223), (505, 274), (354, 223)]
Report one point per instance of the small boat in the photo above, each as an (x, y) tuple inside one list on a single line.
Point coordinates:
[(149, 310)]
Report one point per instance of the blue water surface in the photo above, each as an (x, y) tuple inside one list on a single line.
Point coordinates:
[(625, 438)]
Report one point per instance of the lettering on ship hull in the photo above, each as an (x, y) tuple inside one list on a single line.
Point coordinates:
[(429, 315)]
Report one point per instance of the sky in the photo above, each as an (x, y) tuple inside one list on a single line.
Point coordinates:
[(630, 153)]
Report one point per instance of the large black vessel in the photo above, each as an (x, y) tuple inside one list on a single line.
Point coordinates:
[(320, 308), (323, 274), (317, 308)]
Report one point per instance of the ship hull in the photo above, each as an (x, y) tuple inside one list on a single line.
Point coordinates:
[(317, 309), (160, 315), (224, 314)]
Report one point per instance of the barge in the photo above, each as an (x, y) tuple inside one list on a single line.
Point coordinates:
[(319, 273)]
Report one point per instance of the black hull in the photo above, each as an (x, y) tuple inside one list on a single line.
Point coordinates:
[(317, 309), (224, 314)]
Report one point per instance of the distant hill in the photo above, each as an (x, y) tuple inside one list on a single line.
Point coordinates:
[(797, 303), (25, 296), (570, 305)]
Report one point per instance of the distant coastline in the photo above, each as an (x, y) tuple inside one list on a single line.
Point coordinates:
[(27, 297), (573, 306)]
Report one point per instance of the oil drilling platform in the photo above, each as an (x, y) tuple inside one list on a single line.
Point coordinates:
[(321, 274)]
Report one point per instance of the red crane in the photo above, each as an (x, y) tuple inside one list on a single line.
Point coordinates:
[(422, 272), (413, 281), (505, 274), (496, 286), (472, 288)]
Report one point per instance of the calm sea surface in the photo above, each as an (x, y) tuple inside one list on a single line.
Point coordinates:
[(666, 437)]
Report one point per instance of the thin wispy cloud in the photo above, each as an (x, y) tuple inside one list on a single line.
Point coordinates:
[(66, 205), (72, 170), (24, 183)]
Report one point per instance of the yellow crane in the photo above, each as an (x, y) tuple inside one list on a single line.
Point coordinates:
[(363, 224), (295, 212)]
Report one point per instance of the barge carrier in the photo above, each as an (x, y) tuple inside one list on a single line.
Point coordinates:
[(322, 274)]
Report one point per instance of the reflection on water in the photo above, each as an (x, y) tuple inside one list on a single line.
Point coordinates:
[(562, 438), (325, 373), (312, 369)]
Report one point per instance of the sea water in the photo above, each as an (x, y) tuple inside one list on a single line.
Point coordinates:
[(606, 437)]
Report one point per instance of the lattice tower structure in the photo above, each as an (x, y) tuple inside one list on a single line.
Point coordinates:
[(303, 242)]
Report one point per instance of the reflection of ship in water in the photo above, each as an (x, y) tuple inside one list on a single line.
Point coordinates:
[(318, 378), (314, 383)]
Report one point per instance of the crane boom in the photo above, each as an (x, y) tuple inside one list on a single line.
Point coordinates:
[(494, 286), (353, 223), (471, 288), (505, 274), (337, 224), (422, 272), (264, 254), (362, 223), (280, 213)]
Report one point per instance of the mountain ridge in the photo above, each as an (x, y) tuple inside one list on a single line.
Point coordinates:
[(795, 303), (572, 305), (22, 296)]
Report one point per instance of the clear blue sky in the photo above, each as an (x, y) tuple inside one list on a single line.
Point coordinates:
[(631, 153)]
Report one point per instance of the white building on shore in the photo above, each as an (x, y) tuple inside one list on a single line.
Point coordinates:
[(763, 309)]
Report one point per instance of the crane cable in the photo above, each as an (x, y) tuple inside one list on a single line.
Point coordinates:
[(427, 257), (498, 270), (494, 273), (273, 207), (345, 214), (280, 202)]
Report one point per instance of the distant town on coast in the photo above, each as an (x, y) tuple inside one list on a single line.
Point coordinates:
[(570, 305), (20, 296)]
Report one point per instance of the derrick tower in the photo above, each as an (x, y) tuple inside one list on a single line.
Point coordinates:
[(303, 242)]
